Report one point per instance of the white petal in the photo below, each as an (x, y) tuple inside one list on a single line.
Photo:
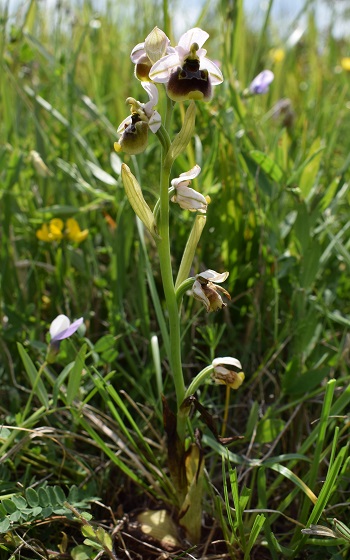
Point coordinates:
[(201, 53), (189, 199), (58, 325), (155, 121), (138, 52), (161, 70), (213, 276), (195, 35), (186, 176), (178, 181), (216, 76), (124, 124), (226, 361), (197, 292), (153, 97), (191, 174)]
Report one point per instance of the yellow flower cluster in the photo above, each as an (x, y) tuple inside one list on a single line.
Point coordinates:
[(55, 231)]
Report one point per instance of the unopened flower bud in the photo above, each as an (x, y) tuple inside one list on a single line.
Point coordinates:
[(156, 44)]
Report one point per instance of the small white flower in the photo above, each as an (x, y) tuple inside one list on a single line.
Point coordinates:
[(224, 376), (205, 290), (185, 196), (62, 328), (187, 72)]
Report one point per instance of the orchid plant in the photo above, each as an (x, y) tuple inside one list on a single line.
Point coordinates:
[(187, 75)]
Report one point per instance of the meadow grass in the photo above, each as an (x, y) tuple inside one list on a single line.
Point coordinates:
[(82, 442)]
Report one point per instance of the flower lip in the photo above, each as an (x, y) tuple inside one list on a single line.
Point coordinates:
[(62, 328), (227, 376), (261, 82), (144, 111), (205, 290)]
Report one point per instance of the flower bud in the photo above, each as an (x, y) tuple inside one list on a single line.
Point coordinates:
[(156, 44)]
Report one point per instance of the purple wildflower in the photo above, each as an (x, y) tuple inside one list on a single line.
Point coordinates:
[(261, 82), (62, 328)]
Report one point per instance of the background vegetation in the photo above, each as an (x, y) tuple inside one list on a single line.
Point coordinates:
[(86, 432)]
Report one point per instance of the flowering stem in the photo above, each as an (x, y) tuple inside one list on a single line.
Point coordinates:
[(169, 290)]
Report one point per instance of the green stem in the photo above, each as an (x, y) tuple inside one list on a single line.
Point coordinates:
[(170, 295), (35, 384), (182, 289), (198, 380)]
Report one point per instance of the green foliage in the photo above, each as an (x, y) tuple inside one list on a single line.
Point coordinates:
[(278, 179), (39, 504)]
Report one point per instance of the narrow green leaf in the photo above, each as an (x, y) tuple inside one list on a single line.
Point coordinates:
[(254, 533), (267, 164), (183, 138), (135, 197), (329, 194), (59, 382), (310, 265), (287, 473), (190, 249), (101, 175), (34, 378), (311, 168), (75, 373)]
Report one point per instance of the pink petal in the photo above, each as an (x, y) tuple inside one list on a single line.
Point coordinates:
[(161, 70), (195, 35), (138, 53), (68, 331), (216, 76)]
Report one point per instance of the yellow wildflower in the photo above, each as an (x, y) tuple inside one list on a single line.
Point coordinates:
[(345, 63), (52, 231), (277, 55), (73, 231)]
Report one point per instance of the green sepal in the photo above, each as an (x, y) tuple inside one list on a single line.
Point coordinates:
[(183, 138), (138, 203)]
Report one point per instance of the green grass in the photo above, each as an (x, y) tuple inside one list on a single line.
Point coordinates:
[(278, 222)]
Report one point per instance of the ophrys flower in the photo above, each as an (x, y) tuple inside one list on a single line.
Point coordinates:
[(185, 196), (134, 129), (205, 290), (187, 72)]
